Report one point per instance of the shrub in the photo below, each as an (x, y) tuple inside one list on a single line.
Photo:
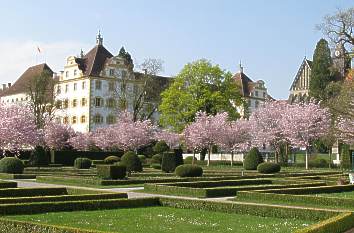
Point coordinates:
[(132, 162), (111, 172), (188, 170), (156, 165), (253, 158), (319, 163), (142, 158), (111, 159), (345, 153), (39, 157), (156, 158), (267, 168), (160, 147), (189, 159), (179, 156), (11, 165), (82, 163), (170, 161)]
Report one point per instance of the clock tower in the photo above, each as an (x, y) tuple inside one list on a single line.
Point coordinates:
[(340, 59)]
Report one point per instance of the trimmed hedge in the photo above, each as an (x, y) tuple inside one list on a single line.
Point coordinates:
[(252, 159), (174, 189), (111, 171), (268, 168), (79, 197), (250, 208), (336, 224), (132, 162), (188, 170), (156, 166), (160, 147), (296, 199), (156, 158), (111, 159), (39, 157), (30, 192), (7, 184), (82, 163), (170, 160), (44, 207), (11, 165), (312, 190), (16, 176)]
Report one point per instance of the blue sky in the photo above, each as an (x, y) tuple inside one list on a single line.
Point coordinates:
[(270, 37)]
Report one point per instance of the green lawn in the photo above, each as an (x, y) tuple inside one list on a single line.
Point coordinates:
[(165, 219)]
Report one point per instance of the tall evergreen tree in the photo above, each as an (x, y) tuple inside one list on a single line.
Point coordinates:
[(320, 72)]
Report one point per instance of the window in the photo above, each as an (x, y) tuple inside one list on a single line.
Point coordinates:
[(256, 104), (58, 89), (75, 72), (83, 85), (66, 104), (66, 120), (256, 93), (111, 72), (98, 102), (16, 99), (110, 103), (111, 86), (110, 119), (98, 84), (66, 88), (98, 119), (75, 86), (124, 73), (83, 102), (74, 103), (83, 119), (58, 104), (67, 74), (73, 120), (264, 94)]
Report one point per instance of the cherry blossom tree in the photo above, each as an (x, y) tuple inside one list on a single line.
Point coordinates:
[(126, 134), (304, 123), (235, 137), (267, 125), (172, 139), (345, 130), (18, 129), (205, 131), (56, 135), (81, 141)]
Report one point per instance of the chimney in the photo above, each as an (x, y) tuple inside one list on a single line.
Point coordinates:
[(9, 85), (4, 86)]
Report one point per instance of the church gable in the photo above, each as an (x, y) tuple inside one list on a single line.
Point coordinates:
[(302, 78)]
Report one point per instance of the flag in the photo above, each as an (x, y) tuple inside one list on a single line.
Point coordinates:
[(39, 50)]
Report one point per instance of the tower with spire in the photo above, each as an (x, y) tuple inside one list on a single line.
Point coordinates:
[(99, 38)]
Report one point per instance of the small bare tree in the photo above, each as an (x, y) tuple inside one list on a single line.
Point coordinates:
[(40, 91), (339, 27)]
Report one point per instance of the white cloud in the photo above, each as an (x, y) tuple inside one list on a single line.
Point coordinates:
[(17, 56)]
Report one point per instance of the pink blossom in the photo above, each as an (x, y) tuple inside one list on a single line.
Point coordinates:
[(56, 136), (172, 139), (81, 141)]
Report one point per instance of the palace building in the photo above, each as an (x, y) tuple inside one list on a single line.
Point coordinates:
[(254, 92)]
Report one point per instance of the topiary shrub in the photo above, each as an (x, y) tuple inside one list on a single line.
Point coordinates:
[(161, 147), (39, 157), (142, 159), (189, 159), (179, 156), (132, 162), (111, 172), (268, 168), (111, 159), (156, 166), (11, 165), (156, 159), (253, 158), (82, 163), (170, 161), (188, 170), (319, 163)]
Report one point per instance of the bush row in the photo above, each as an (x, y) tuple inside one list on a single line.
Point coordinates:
[(14, 226), (296, 199), (44, 207), (251, 209), (82, 163), (63, 198), (336, 224), (168, 189), (111, 172), (312, 190), (8, 184), (17, 176), (30, 192)]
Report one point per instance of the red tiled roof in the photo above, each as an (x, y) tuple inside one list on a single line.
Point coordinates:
[(92, 63), (245, 82)]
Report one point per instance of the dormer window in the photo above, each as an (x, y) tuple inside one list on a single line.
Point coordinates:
[(111, 72)]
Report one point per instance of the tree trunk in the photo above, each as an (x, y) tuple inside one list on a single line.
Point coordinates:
[(193, 157), (209, 152), (330, 157), (306, 160), (232, 158)]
